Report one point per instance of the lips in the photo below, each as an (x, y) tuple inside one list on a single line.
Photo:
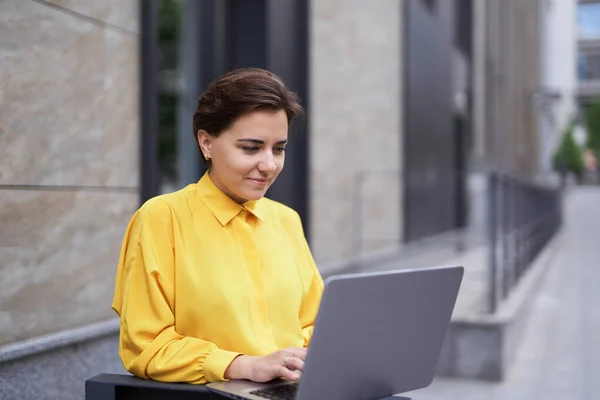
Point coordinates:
[(259, 181)]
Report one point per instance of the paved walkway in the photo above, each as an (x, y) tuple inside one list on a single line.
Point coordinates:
[(559, 357)]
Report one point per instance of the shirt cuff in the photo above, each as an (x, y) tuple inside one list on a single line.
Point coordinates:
[(307, 334), (216, 363)]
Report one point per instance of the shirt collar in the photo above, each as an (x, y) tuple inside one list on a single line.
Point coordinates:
[(221, 205)]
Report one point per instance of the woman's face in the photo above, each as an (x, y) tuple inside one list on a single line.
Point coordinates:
[(247, 157)]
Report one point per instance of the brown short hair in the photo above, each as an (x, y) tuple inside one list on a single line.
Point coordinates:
[(240, 92)]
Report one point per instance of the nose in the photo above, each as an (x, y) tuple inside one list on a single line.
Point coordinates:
[(267, 164)]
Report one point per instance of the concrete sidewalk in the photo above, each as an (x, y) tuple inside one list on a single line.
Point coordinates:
[(559, 356)]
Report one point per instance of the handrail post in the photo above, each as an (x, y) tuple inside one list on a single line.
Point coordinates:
[(493, 238)]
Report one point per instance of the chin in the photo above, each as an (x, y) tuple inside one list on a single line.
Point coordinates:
[(254, 195), (253, 192)]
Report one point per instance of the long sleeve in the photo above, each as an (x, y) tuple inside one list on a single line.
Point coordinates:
[(312, 297), (149, 345), (310, 308)]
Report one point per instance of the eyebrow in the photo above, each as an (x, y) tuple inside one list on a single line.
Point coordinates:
[(258, 141)]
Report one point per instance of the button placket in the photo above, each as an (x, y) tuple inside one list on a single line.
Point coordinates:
[(259, 306)]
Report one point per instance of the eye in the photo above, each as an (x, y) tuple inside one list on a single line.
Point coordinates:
[(278, 150), (250, 149)]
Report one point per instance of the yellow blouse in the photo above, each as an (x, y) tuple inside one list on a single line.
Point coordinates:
[(202, 279)]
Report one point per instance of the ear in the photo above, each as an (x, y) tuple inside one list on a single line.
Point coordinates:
[(204, 141)]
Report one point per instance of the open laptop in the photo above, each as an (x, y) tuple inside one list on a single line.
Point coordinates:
[(376, 335)]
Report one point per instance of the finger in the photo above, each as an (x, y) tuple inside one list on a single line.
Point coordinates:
[(299, 353), (283, 372), (295, 363)]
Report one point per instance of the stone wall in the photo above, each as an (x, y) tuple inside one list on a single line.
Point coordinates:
[(356, 133), (69, 133)]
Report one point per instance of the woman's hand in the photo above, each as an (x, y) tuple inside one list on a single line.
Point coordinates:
[(286, 364)]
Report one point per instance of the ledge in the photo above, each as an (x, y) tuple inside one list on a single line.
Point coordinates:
[(41, 344), (483, 346)]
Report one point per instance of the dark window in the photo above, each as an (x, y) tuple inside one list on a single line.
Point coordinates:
[(463, 17), (431, 4), (588, 66)]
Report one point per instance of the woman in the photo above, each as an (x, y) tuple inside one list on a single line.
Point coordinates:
[(215, 281)]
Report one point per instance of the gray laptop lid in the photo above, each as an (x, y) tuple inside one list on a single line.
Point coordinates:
[(380, 333)]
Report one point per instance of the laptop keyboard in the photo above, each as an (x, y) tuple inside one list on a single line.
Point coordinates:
[(279, 392)]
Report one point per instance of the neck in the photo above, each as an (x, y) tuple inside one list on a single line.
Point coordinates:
[(217, 182)]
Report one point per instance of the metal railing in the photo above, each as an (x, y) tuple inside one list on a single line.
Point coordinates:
[(523, 217)]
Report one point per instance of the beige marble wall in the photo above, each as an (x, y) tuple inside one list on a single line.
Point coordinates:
[(69, 133), (58, 257), (69, 99), (118, 13), (356, 131)]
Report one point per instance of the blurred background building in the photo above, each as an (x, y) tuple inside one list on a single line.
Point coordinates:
[(556, 100), (416, 110), (588, 50)]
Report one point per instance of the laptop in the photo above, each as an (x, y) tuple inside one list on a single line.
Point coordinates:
[(376, 335)]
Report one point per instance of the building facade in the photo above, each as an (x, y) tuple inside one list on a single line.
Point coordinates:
[(588, 50), (507, 76), (69, 145), (557, 101), (69, 182)]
